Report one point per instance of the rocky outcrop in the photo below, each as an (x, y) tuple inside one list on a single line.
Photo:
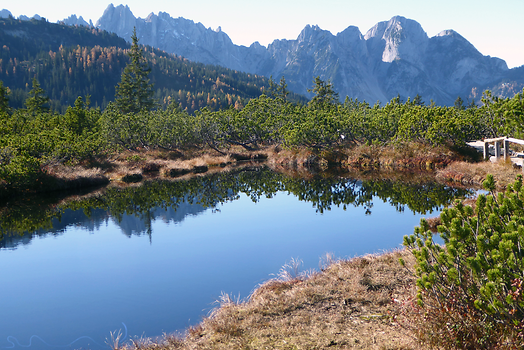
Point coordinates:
[(25, 18), (183, 37), (74, 21), (395, 57)]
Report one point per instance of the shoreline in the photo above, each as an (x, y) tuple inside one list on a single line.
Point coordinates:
[(356, 303), (133, 167)]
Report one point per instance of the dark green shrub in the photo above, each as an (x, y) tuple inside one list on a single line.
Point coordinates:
[(470, 290), (22, 172)]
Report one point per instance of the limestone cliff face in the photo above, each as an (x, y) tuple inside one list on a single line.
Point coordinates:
[(182, 37), (74, 21), (393, 58), (119, 20)]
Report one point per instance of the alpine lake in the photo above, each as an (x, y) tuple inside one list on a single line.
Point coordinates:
[(148, 259)]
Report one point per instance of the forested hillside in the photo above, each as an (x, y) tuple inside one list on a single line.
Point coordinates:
[(79, 61)]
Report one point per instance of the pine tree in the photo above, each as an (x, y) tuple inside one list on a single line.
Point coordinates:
[(324, 93), (282, 89), (278, 91), (4, 99), (36, 101), (417, 101), (459, 103), (272, 88), (134, 93)]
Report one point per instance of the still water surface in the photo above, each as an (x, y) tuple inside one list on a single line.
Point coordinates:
[(144, 270)]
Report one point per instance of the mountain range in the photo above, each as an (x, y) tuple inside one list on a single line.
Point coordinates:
[(393, 58)]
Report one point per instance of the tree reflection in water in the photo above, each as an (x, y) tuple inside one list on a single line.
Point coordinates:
[(173, 200)]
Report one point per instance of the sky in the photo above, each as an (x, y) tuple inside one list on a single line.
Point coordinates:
[(494, 28)]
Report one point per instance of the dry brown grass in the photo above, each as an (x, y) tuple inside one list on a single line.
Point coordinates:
[(68, 173), (387, 159), (291, 158), (473, 174), (176, 163), (159, 164), (449, 324), (399, 156), (61, 177), (166, 164), (350, 305)]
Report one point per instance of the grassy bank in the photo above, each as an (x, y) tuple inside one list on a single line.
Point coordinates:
[(352, 303), (473, 174), (455, 166), (133, 166)]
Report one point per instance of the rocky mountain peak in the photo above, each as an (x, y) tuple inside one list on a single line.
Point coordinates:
[(5, 14), (451, 37), (310, 32), (351, 34), (449, 32), (119, 20), (73, 20), (25, 18), (399, 38), (393, 57), (314, 36)]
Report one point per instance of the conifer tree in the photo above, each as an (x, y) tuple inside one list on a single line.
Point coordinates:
[(278, 91), (272, 88), (4, 99), (459, 103), (36, 101), (134, 93), (282, 89), (417, 101), (324, 93)]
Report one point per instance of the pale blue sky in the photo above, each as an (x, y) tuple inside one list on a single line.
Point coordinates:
[(494, 28)]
